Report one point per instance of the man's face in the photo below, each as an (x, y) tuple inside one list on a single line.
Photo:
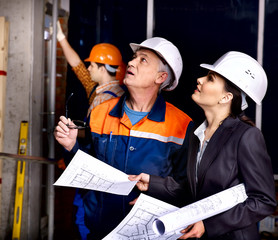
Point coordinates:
[(95, 72), (142, 70)]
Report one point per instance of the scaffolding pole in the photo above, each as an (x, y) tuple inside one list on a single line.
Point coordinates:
[(51, 93), (150, 13), (260, 50)]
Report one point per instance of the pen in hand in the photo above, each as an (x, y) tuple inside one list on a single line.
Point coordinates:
[(110, 138)]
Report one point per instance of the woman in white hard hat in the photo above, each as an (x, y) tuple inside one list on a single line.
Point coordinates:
[(226, 150)]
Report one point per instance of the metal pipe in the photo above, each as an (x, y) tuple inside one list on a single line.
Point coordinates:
[(51, 94), (150, 13), (260, 48), (98, 20), (27, 158)]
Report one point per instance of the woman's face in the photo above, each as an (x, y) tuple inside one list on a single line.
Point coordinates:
[(210, 90)]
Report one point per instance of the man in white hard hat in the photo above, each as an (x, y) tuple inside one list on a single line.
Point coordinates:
[(138, 132)]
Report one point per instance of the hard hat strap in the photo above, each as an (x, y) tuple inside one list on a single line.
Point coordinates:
[(244, 103), (110, 69)]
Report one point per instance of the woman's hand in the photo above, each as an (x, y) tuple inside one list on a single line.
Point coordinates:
[(142, 179), (64, 135), (133, 202), (195, 230)]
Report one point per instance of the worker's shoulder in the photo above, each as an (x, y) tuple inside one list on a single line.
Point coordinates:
[(175, 113), (106, 105)]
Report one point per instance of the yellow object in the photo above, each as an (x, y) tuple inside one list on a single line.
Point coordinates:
[(22, 149)]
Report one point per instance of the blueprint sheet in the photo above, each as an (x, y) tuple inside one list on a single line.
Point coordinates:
[(137, 225), (151, 218), (85, 171), (200, 210)]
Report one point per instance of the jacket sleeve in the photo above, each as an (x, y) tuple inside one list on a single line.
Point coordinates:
[(255, 170), (85, 147), (174, 190), (179, 158), (168, 190)]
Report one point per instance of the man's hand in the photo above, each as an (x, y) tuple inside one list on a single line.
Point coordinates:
[(60, 34), (143, 181), (65, 136)]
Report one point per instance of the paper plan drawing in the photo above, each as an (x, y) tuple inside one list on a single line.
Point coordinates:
[(137, 225), (200, 210), (85, 171), (151, 218)]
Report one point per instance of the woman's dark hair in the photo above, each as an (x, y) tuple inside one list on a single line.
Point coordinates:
[(236, 110)]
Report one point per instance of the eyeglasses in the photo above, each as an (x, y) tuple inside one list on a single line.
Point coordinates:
[(77, 124)]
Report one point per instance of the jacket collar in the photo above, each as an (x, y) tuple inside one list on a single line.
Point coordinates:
[(157, 112), (219, 138)]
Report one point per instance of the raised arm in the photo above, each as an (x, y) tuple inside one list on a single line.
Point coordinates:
[(71, 56)]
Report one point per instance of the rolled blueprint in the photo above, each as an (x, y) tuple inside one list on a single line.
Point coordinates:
[(200, 210)]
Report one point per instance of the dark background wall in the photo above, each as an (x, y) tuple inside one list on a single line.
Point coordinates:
[(202, 30)]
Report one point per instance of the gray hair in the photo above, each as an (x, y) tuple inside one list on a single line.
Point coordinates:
[(164, 67)]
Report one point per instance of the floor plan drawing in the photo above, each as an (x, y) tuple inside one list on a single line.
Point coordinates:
[(153, 219), (138, 223), (85, 171), (200, 210), (88, 180)]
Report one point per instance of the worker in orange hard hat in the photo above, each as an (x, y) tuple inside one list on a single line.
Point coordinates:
[(105, 60), (102, 78), (108, 54), (102, 81)]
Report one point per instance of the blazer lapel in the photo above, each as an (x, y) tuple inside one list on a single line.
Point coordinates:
[(219, 138)]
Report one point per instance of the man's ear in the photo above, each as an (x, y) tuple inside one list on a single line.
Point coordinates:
[(103, 68), (227, 97), (162, 76)]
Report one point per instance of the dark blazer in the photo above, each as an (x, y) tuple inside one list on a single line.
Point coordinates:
[(235, 154)]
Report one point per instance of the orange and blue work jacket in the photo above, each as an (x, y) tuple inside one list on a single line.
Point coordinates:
[(152, 146)]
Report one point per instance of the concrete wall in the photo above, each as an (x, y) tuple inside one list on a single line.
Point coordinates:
[(23, 102)]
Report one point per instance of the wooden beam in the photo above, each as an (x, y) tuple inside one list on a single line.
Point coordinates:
[(4, 39), (4, 29)]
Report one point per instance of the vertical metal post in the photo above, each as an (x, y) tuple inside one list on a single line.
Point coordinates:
[(150, 13), (260, 48), (98, 21), (51, 94)]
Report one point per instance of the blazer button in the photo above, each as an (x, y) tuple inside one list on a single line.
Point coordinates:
[(131, 148)]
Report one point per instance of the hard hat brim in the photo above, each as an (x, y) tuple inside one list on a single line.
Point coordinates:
[(208, 66), (136, 46)]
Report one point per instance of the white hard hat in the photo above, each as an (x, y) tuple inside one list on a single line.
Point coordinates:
[(169, 52), (243, 71)]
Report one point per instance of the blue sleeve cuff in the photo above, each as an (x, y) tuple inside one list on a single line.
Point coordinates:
[(68, 155), (75, 148)]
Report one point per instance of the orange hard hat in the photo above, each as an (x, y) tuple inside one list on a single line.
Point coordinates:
[(105, 53), (120, 74)]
